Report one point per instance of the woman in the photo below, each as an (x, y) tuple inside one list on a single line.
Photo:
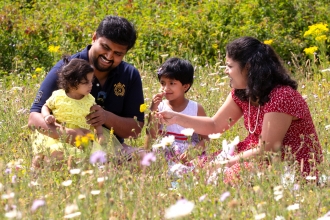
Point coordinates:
[(275, 114)]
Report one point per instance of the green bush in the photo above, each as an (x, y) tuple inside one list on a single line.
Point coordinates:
[(195, 30)]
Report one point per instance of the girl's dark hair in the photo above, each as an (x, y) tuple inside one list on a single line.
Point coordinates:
[(72, 73), (265, 69), (117, 29), (178, 69)]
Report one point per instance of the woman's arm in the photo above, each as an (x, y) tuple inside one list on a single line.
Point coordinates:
[(274, 128), (226, 116)]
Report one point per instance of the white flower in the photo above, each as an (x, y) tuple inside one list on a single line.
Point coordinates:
[(202, 197), (102, 179), (37, 203), (8, 196), (279, 217), (278, 197), (327, 127), (214, 136), (224, 196), (81, 196), (260, 216), (71, 208), (325, 217), (155, 147), (310, 177), (293, 207), (187, 132), (168, 140), (73, 215), (181, 208), (13, 214), (95, 192), (67, 183), (325, 70), (75, 171)]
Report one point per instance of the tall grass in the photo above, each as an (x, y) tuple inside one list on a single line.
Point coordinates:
[(128, 191)]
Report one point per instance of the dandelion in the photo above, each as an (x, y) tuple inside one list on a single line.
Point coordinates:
[(84, 140), (98, 156), (78, 141), (67, 183), (90, 136), (321, 38), (143, 107), (214, 136), (316, 30), (293, 207), (310, 50), (53, 49), (269, 42), (187, 132), (181, 208), (37, 204), (147, 159), (38, 70), (224, 196)]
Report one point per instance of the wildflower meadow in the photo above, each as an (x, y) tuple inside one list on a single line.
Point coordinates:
[(99, 186)]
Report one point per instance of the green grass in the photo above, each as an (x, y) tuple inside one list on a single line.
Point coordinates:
[(130, 192)]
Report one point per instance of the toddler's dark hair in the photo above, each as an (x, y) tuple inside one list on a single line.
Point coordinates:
[(72, 73), (178, 69)]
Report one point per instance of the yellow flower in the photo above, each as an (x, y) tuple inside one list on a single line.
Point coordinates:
[(143, 107), (34, 76), (84, 140), (321, 38), (78, 141), (316, 30), (269, 42), (53, 49), (38, 70), (90, 136), (111, 131), (310, 50), (215, 46)]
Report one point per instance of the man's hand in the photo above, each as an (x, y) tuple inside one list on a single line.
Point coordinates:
[(166, 117), (97, 117)]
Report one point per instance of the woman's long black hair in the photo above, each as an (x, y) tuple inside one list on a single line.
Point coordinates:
[(265, 69)]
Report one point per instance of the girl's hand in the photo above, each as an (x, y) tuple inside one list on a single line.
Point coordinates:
[(49, 119), (156, 99)]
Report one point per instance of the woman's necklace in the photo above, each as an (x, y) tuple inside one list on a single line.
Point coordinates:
[(255, 127)]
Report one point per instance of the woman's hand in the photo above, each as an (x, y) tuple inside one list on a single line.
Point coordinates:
[(97, 117), (166, 117)]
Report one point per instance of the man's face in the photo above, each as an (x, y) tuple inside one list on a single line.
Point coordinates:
[(105, 55)]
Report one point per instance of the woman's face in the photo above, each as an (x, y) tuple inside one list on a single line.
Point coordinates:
[(238, 76)]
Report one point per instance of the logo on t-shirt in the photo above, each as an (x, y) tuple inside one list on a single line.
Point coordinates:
[(119, 89), (38, 97)]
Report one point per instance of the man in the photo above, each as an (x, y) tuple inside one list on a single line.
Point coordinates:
[(117, 86)]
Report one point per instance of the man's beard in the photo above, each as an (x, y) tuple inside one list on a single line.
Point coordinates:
[(99, 68)]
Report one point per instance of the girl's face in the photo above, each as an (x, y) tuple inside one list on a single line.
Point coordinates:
[(84, 87), (172, 88), (238, 76)]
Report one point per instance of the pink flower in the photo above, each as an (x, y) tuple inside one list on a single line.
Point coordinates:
[(224, 196), (147, 159), (98, 156), (36, 204)]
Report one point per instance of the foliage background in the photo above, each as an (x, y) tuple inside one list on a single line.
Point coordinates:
[(193, 29)]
